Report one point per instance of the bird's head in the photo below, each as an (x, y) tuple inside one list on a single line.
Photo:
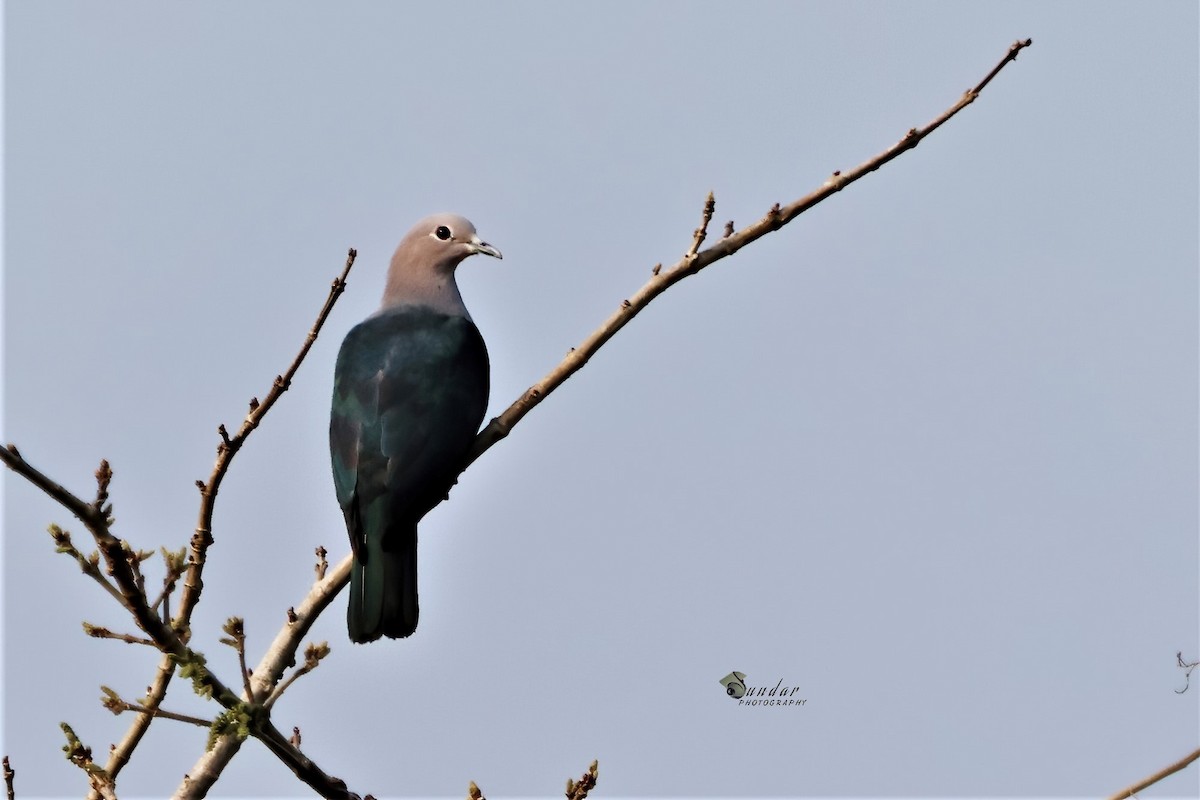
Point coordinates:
[(422, 270), (441, 241)]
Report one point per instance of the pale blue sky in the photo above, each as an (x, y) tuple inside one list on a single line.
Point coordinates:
[(929, 453)]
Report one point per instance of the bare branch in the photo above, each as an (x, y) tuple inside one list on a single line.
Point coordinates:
[(1156, 777), (119, 756), (230, 445), (279, 656), (9, 774), (662, 280)]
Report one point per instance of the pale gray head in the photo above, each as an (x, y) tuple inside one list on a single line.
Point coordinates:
[(422, 271)]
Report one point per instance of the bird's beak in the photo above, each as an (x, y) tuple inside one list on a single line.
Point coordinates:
[(478, 246)]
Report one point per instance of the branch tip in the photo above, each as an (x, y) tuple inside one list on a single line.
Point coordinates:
[(578, 790), (698, 235), (322, 564)]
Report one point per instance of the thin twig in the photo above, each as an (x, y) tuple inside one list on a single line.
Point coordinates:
[(103, 478), (118, 705), (1187, 666), (312, 657), (1124, 794), (89, 564), (176, 565), (99, 632), (236, 631), (161, 712), (9, 774), (135, 559), (698, 235)]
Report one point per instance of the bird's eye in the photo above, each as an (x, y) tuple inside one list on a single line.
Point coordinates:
[(442, 232)]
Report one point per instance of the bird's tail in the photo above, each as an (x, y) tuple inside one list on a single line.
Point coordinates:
[(383, 587)]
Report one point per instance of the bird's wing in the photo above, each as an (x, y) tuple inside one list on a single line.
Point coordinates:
[(410, 389)]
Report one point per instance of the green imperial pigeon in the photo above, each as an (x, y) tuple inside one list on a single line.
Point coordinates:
[(409, 392)]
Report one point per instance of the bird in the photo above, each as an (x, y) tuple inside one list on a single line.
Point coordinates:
[(410, 389)]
